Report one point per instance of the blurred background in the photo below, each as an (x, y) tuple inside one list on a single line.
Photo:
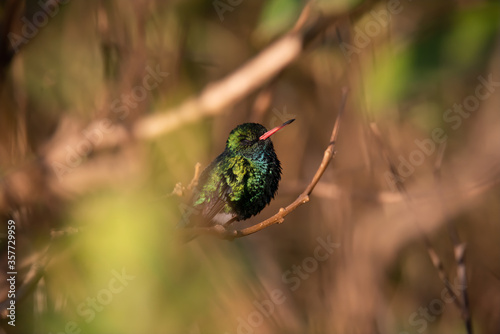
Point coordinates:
[(417, 164)]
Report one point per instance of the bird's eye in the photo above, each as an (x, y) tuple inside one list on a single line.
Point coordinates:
[(246, 142)]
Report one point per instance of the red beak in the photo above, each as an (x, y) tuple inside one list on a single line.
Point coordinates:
[(276, 129)]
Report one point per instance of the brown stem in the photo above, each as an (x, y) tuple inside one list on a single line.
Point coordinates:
[(458, 247)]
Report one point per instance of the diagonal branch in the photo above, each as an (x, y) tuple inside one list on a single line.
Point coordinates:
[(253, 74)]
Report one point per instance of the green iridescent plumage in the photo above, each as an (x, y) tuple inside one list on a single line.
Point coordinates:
[(242, 180)]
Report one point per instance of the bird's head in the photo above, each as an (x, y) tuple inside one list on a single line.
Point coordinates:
[(251, 138)]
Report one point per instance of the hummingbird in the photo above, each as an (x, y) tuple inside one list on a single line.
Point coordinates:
[(240, 182)]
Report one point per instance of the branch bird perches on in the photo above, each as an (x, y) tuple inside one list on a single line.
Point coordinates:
[(230, 234)]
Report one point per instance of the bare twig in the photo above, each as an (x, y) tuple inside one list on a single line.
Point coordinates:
[(459, 252), (303, 198), (458, 247), (438, 264), (180, 190), (194, 182)]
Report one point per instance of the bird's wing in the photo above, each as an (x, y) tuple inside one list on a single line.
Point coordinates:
[(236, 175), (222, 184)]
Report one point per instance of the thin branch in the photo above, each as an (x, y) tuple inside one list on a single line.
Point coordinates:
[(458, 247), (303, 198), (436, 261), (438, 264), (459, 252), (194, 182), (180, 190)]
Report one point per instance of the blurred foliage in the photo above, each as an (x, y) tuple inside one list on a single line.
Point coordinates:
[(278, 16), (458, 45), (91, 58)]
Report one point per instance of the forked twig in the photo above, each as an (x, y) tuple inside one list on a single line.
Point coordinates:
[(458, 246), (180, 190)]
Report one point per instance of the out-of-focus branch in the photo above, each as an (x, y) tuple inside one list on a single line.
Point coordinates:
[(434, 257), (226, 92), (303, 198), (458, 247), (256, 72), (180, 190)]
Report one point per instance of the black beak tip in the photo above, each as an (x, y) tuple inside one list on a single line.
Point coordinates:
[(289, 121)]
